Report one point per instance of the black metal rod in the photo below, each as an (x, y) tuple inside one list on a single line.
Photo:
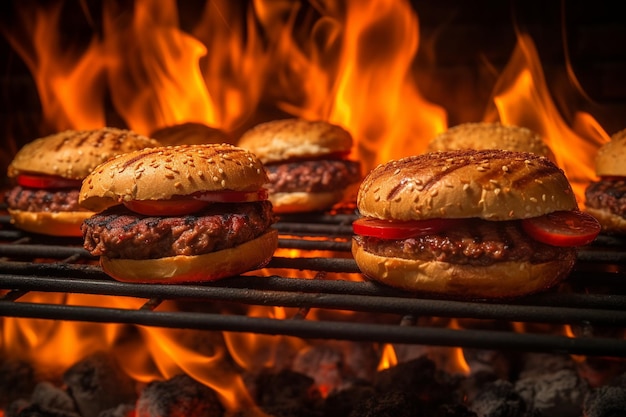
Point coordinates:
[(346, 301), (526, 342)]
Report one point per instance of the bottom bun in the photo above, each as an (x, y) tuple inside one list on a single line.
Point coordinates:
[(454, 281), (611, 223), (61, 223), (206, 267), (297, 202)]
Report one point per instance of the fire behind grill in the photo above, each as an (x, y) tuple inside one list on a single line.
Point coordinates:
[(592, 301)]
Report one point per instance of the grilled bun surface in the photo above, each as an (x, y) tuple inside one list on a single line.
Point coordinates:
[(74, 154), (485, 135), (487, 184), (161, 173), (282, 140)]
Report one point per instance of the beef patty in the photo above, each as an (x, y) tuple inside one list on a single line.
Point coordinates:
[(607, 194), (313, 176), (120, 233), (476, 242), (37, 200)]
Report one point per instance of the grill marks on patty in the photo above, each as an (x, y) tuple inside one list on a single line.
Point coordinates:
[(478, 242), (607, 194), (119, 233), (37, 200), (312, 176)]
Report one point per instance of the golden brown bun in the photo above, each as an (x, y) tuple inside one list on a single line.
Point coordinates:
[(160, 173), (286, 139), (488, 184), (491, 136), (62, 223), (302, 201), (611, 223), (189, 134), (611, 157), (75, 153), (207, 267), (453, 281)]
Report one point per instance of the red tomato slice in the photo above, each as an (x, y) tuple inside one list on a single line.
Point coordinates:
[(231, 196), (392, 229), (174, 207), (563, 228), (46, 181)]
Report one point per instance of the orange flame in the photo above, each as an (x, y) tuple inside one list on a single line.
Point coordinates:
[(522, 98)]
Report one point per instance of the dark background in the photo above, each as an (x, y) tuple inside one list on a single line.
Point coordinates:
[(468, 41)]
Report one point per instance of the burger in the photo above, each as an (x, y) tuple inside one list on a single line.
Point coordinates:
[(485, 135), (605, 199), (307, 163), (182, 213), (469, 224), (47, 175)]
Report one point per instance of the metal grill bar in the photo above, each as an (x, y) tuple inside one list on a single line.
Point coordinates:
[(328, 330), (608, 316)]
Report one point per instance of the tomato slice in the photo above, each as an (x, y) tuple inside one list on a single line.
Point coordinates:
[(563, 228), (174, 207), (394, 229), (231, 196), (46, 181), (192, 203)]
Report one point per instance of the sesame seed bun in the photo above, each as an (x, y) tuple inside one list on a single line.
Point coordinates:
[(298, 142), (74, 154), (166, 175), (161, 173), (60, 223), (493, 185), (487, 184), (611, 156), (71, 154), (456, 281), (211, 266), (287, 139), (491, 136)]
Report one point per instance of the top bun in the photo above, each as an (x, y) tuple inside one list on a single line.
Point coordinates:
[(287, 139), (488, 184), (74, 154), (491, 136), (612, 155), (161, 173)]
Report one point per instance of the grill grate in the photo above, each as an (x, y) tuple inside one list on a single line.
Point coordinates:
[(592, 302)]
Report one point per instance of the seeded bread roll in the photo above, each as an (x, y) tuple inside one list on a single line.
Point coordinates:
[(74, 154), (611, 156), (604, 197), (174, 214), (454, 224), (153, 174), (488, 184), (491, 136), (50, 169), (282, 140), (307, 163)]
